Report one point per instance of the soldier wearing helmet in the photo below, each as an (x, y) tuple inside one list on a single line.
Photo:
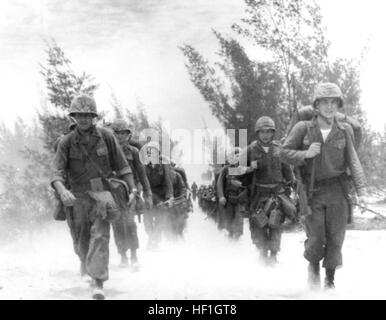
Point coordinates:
[(160, 179), (125, 228), (87, 157), (271, 179), (307, 113), (231, 187), (323, 148)]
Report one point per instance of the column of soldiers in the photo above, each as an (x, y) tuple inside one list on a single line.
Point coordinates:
[(99, 176), (101, 180), (312, 177)]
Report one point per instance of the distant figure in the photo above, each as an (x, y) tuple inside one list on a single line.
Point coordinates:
[(194, 190)]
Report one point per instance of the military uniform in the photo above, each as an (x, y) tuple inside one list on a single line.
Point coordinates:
[(125, 228), (232, 185), (89, 231), (326, 223), (178, 213), (270, 178), (325, 228), (162, 190)]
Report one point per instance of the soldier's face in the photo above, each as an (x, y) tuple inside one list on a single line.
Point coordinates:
[(123, 136), (266, 135), (84, 121), (328, 107)]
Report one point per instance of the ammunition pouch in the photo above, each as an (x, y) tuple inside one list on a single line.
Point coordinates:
[(259, 219), (275, 219), (105, 206), (287, 207)]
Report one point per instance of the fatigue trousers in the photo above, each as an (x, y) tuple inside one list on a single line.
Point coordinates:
[(326, 226), (154, 220), (125, 230), (264, 238), (175, 221), (90, 235), (232, 219)]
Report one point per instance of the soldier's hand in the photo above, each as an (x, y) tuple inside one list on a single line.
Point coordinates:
[(313, 150), (254, 164), (67, 198), (223, 201)]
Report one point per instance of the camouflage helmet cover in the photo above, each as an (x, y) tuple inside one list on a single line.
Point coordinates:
[(327, 90), (120, 125), (83, 103), (265, 123)]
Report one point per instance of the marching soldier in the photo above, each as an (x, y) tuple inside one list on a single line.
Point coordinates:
[(178, 213), (232, 194), (324, 149), (194, 190), (87, 156), (125, 228), (160, 180), (269, 201)]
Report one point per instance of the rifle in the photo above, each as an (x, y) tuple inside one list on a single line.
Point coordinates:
[(369, 210)]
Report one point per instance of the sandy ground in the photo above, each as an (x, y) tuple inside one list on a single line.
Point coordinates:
[(205, 265)]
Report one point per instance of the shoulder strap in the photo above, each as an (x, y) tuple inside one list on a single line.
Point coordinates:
[(94, 164)]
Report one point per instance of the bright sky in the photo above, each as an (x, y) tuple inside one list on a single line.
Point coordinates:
[(132, 47)]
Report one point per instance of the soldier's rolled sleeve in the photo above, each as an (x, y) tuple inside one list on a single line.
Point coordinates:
[(59, 163), (290, 153)]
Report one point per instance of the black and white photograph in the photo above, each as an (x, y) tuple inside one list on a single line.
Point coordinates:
[(192, 150)]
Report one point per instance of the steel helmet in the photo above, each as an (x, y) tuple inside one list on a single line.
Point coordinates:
[(327, 90), (265, 123), (120, 125), (83, 103)]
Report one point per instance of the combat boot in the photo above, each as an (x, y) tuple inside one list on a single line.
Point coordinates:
[(314, 275), (98, 293), (329, 280), (124, 261)]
